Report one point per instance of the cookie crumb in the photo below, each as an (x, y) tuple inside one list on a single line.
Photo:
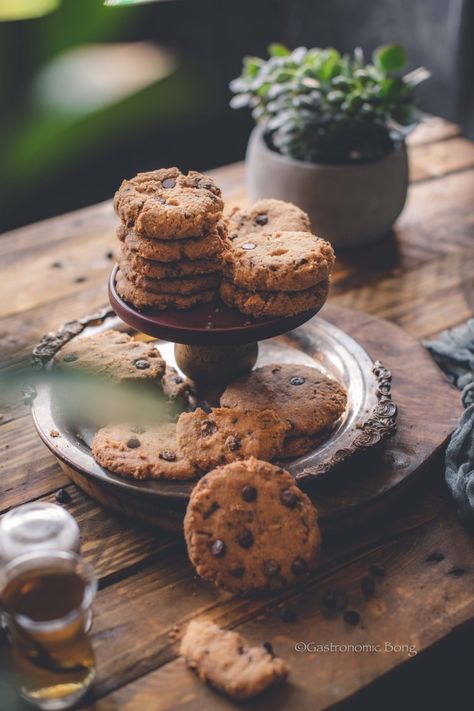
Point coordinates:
[(53, 433)]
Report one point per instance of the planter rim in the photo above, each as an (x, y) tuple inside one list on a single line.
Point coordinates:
[(259, 133)]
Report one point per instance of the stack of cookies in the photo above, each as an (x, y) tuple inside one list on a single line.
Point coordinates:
[(275, 266), (172, 236)]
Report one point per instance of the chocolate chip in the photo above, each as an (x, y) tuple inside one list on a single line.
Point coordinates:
[(287, 614), (335, 600), (57, 265), (261, 219), (248, 245), (268, 647), (249, 493), (80, 279), (245, 539), (213, 507), (367, 586), (110, 255), (297, 380), (233, 443), (270, 568), (299, 566), (63, 496), (288, 498), (168, 183), (377, 570), (457, 572), (70, 358), (178, 380), (168, 455), (208, 428), (241, 650), (435, 557), (141, 364), (133, 443), (352, 617), (237, 571), (218, 548)]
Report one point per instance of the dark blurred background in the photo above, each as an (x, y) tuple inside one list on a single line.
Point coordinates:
[(90, 94)]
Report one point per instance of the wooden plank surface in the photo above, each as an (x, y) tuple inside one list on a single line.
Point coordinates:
[(422, 279)]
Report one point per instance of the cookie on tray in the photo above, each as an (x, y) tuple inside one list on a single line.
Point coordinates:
[(182, 285), (170, 270), (142, 452), (114, 355), (225, 434), (249, 528), (308, 400), (224, 660), (142, 299), (267, 215), (260, 304), (279, 261), (209, 245), (169, 205)]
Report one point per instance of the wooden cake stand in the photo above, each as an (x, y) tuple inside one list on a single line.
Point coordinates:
[(349, 478)]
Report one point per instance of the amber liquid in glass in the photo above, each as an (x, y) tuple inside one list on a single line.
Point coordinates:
[(54, 660)]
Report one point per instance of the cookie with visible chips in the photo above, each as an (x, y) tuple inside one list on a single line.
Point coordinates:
[(249, 528), (266, 215), (261, 304)]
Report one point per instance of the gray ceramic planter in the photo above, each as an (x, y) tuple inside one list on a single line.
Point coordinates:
[(348, 204)]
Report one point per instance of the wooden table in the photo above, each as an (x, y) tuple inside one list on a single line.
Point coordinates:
[(421, 279)]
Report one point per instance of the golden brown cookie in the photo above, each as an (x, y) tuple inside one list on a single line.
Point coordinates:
[(142, 299), (249, 528), (180, 285), (169, 270), (112, 354), (169, 205), (279, 261), (209, 245), (142, 452), (267, 216), (273, 303), (223, 659), (304, 397), (224, 435)]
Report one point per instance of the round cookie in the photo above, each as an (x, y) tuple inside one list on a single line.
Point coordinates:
[(249, 528), (142, 453), (168, 270), (279, 261), (267, 215), (273, 303), (169, 205), (142, 299), (112, 354), (224, 435), (182, 285), (308, 400), (209, 245)]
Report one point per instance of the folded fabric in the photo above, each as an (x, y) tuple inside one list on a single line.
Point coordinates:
[(454, 353)]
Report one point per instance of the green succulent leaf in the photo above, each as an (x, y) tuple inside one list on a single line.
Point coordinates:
[(276, 49), (390, 58)]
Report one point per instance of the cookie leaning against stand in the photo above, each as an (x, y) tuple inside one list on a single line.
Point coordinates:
[(267, 215), (249, 528)]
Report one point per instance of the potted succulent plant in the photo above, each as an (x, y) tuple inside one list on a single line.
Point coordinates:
[(330, 135)]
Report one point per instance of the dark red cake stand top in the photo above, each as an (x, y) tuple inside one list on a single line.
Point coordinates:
[(213, 324)]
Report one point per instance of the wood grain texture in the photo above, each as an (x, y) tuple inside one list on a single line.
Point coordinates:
[(420, 278)]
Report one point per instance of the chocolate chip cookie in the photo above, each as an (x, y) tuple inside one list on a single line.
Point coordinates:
[(260, 304), (223, 659), (142, 299), (267, 216), (181, 285), (174, 386), (169, 205), (308, 400), (279, 261), (249, 528), (168, 270), (209, 245), (224, 435), (142, 453), (114, 355)]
